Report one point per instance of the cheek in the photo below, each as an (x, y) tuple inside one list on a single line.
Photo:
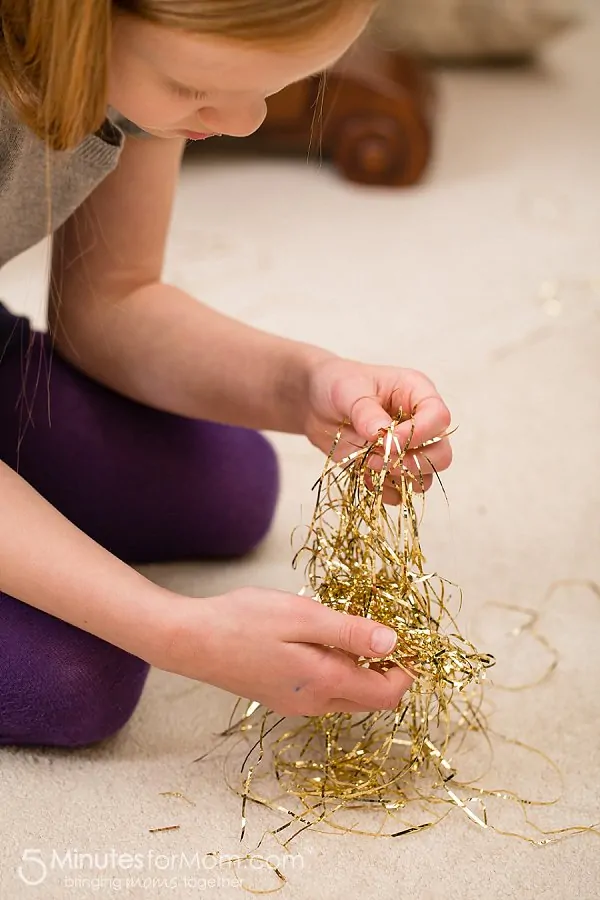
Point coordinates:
[(149, 106), (156, 109)]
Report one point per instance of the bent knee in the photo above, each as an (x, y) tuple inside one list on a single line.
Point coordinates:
[(98, 700), (76, 701), (247, 493), (255, 492)]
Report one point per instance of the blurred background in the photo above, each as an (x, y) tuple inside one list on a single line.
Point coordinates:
[(435, 205)]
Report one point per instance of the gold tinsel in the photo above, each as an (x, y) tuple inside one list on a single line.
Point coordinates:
[(365, 558)]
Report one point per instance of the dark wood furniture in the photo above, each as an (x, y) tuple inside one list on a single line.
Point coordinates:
[(372, 115)]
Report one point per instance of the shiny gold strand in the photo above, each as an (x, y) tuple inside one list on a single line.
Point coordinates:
[(365, 559)]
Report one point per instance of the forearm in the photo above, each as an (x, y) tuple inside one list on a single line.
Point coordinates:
[(46, 562), (161, 347)]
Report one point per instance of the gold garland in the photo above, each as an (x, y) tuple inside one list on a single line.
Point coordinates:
[(365, 558)]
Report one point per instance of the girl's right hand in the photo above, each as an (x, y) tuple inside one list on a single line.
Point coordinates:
[(290, 653)]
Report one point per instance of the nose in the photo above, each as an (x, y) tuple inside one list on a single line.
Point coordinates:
[(240, 120)]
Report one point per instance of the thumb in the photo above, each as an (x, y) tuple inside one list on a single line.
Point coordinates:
[(356, 397), (353, 634), (369, 417)]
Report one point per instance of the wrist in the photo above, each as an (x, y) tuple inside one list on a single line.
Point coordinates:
[(294, 385), (189, 635), (152, 636)]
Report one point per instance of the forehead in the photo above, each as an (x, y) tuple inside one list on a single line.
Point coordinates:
[(208, 61)]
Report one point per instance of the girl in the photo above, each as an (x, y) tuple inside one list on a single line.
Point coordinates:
[(145, 447)]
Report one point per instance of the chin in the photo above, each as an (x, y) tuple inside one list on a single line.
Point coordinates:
[(164, 133)]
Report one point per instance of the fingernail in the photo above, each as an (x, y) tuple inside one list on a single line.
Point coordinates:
[(379, 425), (383, 640)]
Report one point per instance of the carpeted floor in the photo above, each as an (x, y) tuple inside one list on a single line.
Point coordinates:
[(488, 278)]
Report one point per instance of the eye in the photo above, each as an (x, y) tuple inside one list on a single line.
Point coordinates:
[(187, 92)]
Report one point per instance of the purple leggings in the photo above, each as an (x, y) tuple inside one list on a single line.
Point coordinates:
[(148, 486)]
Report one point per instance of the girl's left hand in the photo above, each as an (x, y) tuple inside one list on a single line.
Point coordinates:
[(368, 396)]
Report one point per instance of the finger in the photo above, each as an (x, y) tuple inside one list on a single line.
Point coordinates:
[(431, 418), (344, 655), (415, 394), (357, 398), (350, 441), (368, 417), (432, 459), (425, 465), (374, 690), (354, 634), (419, 486), (435, 458), (392, 494)]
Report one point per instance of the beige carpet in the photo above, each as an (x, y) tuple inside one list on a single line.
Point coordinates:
[(488, 278)]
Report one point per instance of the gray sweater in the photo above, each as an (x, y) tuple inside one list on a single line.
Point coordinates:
[(36, 183)]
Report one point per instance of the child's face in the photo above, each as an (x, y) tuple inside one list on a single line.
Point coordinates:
[(174, 84)]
